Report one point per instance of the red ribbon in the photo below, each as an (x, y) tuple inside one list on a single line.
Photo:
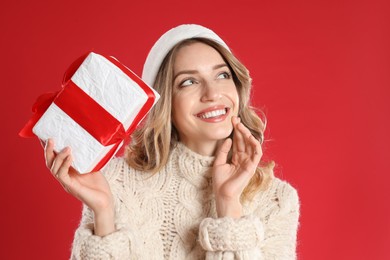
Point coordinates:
[(88, 113)]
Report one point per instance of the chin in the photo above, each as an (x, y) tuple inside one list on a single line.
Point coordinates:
[(221, 134)]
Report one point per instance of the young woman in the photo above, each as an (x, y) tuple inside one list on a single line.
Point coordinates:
[(191, 185)]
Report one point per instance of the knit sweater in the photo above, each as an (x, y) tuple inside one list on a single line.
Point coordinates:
[(172, 215)]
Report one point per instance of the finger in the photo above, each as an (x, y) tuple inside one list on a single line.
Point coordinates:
[(238, 138), (49, 153), (246, 138), (59, 159), (244, 174), (251, 143), (63, 172), (253, 146), (248, 168), (223, 152), (257, 150)]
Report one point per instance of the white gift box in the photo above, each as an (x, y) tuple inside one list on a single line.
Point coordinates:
[(113, 90)]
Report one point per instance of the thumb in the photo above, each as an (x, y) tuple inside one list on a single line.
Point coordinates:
[(223, 152)]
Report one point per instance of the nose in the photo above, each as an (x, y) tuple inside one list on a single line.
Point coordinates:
[(210, 92)]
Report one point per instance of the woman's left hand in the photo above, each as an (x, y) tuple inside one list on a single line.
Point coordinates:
[(230, 179)]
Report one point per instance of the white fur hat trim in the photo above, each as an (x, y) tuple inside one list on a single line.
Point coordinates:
[(167, 41)]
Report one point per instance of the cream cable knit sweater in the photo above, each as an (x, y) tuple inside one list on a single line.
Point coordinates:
[(171, 215)]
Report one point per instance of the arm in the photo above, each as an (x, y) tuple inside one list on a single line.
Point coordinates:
[(281, 228), (119, 244), (233, 235), (92, 189), (272, 236), (98, 237), (86, 245)]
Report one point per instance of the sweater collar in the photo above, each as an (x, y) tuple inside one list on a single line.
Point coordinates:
[(192, 166)]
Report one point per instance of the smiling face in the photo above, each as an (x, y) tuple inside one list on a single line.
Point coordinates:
[(204, 97)]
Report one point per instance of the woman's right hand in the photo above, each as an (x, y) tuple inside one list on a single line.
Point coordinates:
[(91, 188)]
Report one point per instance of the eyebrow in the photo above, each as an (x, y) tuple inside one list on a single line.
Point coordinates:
[(215, 67)]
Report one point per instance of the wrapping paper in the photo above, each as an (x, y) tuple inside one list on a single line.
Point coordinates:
[(114, 91)]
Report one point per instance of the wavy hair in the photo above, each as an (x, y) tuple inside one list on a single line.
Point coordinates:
[(155, 138)]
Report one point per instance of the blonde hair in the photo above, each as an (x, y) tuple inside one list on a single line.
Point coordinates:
[(153, 141)]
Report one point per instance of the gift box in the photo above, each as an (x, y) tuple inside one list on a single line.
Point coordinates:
[(99, 106)]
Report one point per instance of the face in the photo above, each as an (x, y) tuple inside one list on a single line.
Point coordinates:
[(205, 97)]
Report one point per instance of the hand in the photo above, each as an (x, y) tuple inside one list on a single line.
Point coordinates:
[(230, 179), (91, 188)]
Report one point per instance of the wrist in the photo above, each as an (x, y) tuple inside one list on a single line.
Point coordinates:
[(104, 222), (229, 208)]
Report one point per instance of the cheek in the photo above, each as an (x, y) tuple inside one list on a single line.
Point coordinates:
[(179, 109), (180, 118), (174, 112), (237, 101), (234, 97)]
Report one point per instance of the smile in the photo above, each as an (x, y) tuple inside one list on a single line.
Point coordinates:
[(215, 115)]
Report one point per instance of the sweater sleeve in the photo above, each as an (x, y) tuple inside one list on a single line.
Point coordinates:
[(117, 245), (254, 237)]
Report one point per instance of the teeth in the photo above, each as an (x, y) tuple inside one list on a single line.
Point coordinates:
[(213, 113)]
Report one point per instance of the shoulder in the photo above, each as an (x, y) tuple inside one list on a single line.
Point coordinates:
[(284, 192), (117, 169), (279, 196)]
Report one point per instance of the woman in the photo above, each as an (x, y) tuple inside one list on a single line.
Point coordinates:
[(190, 185)]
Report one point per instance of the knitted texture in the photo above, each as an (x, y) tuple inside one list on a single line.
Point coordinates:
[(227, 234), (172, 215)]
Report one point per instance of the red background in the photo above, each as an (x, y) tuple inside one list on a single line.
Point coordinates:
[(320, 71)]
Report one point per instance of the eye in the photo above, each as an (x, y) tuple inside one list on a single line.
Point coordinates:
[(187, 82), (224, 75)]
